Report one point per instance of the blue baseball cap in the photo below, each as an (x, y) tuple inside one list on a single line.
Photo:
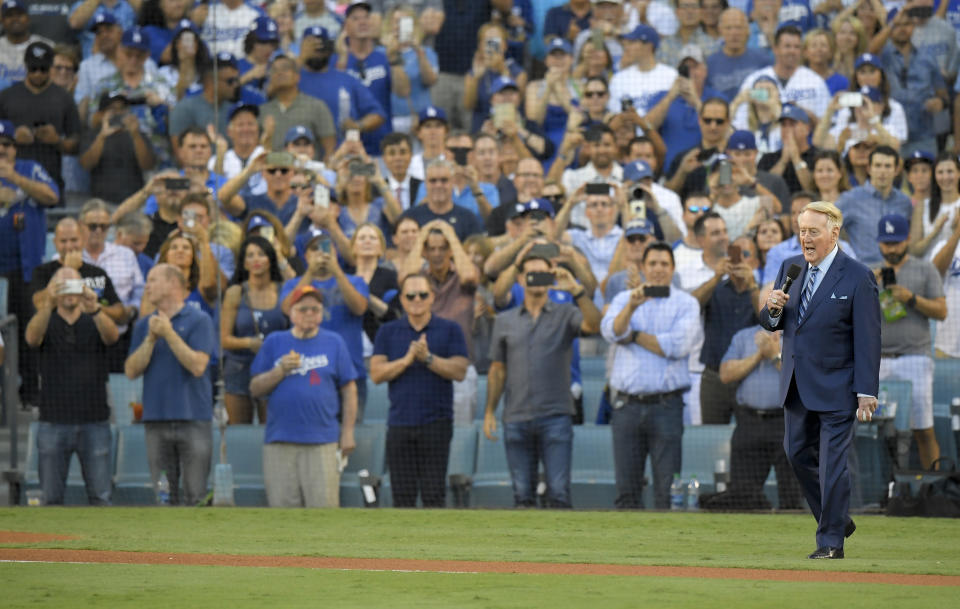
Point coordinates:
[(186, 24), (357, 4), (265, 29), (100, 18), (317, 31), (13, 5), (717, 158), (742, 140), (503, 82), (643, 33), (256, 221), (225, 59), (559, 44), (316, 234), (537, 205), (872, 93), (239, 107), (795, 112), (136, 38), (298, 132), (918, 156), (636, 171), (893, 228), (638, 226), (432, 113), (867, 59), (6, 129)]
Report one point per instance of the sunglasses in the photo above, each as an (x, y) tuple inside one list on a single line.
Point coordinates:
[(554, 199), (415, 295), (594, 93), (438, 180), (281, 170), (696, 209), (637, 238), (715, 121), (98, 226)]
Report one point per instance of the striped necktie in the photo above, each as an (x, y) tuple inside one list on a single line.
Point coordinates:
[(807, 293)]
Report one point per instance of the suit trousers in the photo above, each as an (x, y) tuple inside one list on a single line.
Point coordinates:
[(817, 445)]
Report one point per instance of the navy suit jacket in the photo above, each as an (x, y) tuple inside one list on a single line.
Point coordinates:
[(834, 353)]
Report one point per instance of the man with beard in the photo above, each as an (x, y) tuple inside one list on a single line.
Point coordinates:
[(351, 104), (289, 107), (16, 37), (913, 297)]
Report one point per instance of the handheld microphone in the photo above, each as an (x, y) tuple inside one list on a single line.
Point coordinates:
[(792, 273)]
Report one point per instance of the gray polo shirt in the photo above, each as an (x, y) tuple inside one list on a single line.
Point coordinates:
[(536, 355), (761, 388), (910, 335)]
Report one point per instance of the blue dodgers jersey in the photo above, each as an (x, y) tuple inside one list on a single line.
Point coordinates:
[(303, 407)]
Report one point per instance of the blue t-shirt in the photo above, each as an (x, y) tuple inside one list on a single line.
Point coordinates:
[(375, 76), (337, 316), (304, 405), (680, 129), (837, 82), (419, 396), (264, 203), (726, 74), (160, 36), (481, 111), (339, 91), (170, 391)]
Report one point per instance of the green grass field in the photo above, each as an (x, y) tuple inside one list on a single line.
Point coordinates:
[(885, 545)]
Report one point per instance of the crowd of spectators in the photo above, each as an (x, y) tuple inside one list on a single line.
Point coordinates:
[(300, 199)]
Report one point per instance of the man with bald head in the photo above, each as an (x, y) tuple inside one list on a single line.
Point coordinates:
[(171, 348), (71, 332), (730, 66)]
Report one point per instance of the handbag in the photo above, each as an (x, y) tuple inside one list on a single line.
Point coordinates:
[(928, 493)]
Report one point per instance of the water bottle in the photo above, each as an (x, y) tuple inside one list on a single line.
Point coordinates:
[(163, 489), (882, 398), (693, 494), (721, 477), (343, 105), (676, 493)]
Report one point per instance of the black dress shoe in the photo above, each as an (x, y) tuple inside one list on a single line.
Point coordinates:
[(850, 528), (826, 552)]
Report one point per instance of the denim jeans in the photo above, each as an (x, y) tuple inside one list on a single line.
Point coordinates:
[(547, 439), (641, 429), (180, 447), (56, 443)]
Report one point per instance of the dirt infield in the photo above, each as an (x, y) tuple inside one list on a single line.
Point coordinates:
[(443, 566)]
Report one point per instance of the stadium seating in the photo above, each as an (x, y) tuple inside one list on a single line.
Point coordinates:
[(946, 380), (592, 482), (872, 461), (491, 482), (702, 446), (371, 439), (245, 456), (121, 393), (378, 403), (132, 483), (4, 288)]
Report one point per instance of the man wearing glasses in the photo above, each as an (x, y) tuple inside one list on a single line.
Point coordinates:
[(420, 355), (714, 120), (438, 202), (277, 170), (309, 378), (44, 115), (599, 241), (119, 262)]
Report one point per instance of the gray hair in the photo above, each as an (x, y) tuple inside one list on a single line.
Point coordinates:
[(94, 204), (440, 161), (135, 223)]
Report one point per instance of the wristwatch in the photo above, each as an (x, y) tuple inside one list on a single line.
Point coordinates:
[(429, 360), (913, 301), (800, 165)]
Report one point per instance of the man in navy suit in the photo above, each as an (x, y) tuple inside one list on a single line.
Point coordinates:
[(830, 370)]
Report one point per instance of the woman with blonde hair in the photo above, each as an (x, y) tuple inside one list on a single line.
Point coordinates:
[(851, 42), (369, 247), (819, 49)]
